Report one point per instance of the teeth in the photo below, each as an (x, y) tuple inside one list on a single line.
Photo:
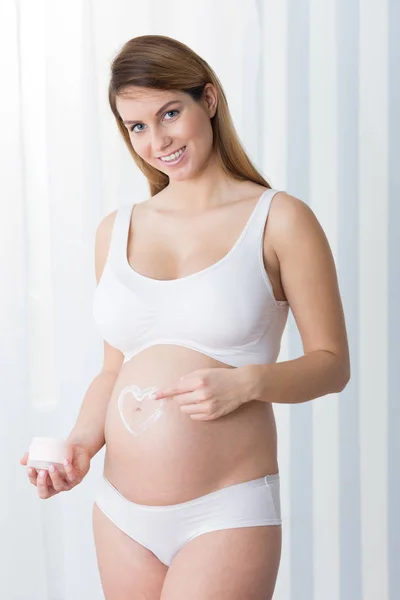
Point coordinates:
[(173, 156)]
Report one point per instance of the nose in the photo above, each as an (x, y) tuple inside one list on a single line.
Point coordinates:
[(160, 143)]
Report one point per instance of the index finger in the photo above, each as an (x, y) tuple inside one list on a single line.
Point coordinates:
[(185, 385)]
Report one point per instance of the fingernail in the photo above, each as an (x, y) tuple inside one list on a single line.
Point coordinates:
[(42, 474), (30, 471), (51, 468), (65, 462)]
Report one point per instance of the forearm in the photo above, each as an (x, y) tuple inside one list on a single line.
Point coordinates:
[(294, 381), (89, 427)]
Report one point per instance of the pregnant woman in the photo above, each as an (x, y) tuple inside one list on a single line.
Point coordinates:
[(193, 294)]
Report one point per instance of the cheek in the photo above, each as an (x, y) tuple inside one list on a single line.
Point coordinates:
[(193, 127), (204, 135), (200, 129), (141, 147)]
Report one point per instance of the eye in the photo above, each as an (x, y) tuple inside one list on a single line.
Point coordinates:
[(133, 127), (136, 124), (172, 111)]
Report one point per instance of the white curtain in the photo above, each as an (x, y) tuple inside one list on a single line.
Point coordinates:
[(313, 88)]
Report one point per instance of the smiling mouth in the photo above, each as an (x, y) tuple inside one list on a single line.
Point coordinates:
[(173, 160)]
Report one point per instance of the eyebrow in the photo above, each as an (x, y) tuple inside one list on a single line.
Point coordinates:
[(160, 110)]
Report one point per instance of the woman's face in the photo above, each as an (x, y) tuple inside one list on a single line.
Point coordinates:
[(158, 130)]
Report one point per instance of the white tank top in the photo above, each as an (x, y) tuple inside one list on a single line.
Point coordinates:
[(226, 311)]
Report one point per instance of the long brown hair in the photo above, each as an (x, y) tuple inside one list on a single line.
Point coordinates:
[(163, 63)]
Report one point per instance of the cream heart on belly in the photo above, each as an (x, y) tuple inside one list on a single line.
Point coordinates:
[(138, 409)]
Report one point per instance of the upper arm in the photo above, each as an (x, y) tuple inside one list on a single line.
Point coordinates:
[(309, 277), (113, 358)]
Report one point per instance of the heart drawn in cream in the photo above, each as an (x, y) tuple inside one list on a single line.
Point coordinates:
[(138, 408)]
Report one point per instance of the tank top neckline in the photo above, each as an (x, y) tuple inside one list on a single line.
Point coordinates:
[(134, 273)]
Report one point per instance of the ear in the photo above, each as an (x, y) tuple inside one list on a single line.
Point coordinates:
[(211, 99)]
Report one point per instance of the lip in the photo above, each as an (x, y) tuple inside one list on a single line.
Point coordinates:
[(174, 162)]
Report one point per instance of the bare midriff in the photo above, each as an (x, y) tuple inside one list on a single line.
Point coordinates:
[(178, 458)]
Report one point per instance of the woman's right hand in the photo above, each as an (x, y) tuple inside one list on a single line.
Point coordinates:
[(50, 483)]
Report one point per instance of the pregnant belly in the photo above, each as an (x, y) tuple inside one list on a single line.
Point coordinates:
[(158, 455)]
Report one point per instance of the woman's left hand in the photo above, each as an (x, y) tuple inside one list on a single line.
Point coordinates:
[(207, 394)]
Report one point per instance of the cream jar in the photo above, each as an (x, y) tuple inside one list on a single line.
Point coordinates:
[(46, 451)]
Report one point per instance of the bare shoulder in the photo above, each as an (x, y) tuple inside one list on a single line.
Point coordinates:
[(289, 215), (294, 228), (297, 236)]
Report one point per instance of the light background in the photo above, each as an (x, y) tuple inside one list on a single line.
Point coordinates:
[(314, 90)]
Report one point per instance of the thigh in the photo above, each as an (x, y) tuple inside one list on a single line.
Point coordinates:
[(127, 569), (232, 564)]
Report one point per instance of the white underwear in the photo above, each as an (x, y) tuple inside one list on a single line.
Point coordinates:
[(164, 530)]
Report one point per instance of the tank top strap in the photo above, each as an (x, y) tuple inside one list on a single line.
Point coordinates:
[(256, 224), (119, 234)]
